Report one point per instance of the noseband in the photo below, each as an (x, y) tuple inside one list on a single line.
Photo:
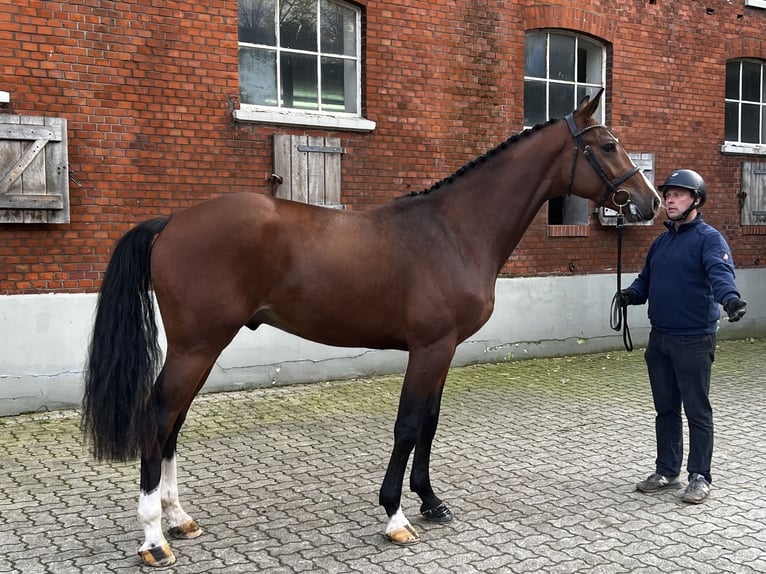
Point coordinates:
[(612, 187)]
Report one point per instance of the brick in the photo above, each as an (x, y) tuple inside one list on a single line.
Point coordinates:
[(145, 89)]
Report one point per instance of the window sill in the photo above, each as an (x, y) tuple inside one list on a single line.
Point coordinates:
[(568, 230), (307, 120), (754, 229), (743, 148)]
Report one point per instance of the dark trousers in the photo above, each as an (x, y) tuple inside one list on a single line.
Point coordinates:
[(679, 373)]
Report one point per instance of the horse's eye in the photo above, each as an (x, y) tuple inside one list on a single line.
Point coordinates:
[(609, 147)]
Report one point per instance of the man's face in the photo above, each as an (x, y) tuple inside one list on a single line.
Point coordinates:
[(677, 200)]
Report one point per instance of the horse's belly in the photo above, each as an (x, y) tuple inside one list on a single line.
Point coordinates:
[(340, 329)]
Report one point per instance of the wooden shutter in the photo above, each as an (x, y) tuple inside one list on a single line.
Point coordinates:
[(308, 169), (34, 168), (753, 193)]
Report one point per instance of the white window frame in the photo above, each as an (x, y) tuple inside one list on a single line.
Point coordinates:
[(315, 118), (739, 147), (600, 113)]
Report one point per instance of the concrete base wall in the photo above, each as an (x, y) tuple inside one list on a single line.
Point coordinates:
[(44, 339)]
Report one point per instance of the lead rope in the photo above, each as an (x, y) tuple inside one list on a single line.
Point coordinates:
[(619, 314)]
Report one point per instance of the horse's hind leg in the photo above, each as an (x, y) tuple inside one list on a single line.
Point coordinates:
[(159, 488), (180, 525)]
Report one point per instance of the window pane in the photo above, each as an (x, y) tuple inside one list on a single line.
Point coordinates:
[(731, 129), (763, 125), (562, 58), (750, 123), (299, 81), (534, 103), (561, 100), (338, 85), (732, 80), (589, 62), (258, 76), (575, 210), (298, 24), (534, 55), (256, 22), (338, 29), (591, 91), (556, 210), (751, 82)]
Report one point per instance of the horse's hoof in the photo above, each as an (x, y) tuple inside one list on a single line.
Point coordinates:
[(185, 531), (439, 514), (404, 536), (159, 556)]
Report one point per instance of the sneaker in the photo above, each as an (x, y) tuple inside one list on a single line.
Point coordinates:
[(655, 482), (697, 490)]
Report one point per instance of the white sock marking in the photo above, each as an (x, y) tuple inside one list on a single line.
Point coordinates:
[(397, 521)]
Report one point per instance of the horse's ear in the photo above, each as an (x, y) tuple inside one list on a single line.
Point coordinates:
[(588, 107)]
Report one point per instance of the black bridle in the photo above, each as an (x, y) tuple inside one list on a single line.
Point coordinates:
[(619, 313), (612, 187)]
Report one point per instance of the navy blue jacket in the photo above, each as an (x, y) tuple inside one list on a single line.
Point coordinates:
[(687, 273)]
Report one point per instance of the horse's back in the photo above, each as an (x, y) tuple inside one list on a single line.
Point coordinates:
[(375, 278), (223, 262)]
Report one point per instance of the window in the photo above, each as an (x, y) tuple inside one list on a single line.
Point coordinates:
[(745, 103), (300, 63), (560, 69)]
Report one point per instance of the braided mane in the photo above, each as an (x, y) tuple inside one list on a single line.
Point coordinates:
[(481, 159)]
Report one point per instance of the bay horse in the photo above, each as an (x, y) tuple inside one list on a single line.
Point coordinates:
[(416, 274)]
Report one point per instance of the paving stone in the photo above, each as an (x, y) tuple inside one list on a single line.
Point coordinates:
[(538, 460)]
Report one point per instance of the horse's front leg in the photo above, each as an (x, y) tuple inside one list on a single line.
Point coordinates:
[(423, 382), (432, 509)]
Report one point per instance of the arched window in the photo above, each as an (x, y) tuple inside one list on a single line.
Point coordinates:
[(561, 68)]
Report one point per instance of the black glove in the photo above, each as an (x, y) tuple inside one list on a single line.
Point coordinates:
[(626, 297), (735, 308)]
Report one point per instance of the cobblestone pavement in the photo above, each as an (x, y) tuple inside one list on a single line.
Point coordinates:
[(538, 460)]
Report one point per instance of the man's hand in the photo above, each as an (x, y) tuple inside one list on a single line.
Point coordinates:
[(626, 297), (735, 308)]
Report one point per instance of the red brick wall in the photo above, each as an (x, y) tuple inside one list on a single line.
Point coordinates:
[(148, 93)]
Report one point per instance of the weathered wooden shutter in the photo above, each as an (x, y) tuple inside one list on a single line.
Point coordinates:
[(308, 169), (34, 167), (753, 193)]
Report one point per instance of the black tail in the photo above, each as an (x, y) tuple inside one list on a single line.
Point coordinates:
[(124, 354)]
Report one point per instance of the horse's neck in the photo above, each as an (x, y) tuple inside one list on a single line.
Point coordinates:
[(498, 199)]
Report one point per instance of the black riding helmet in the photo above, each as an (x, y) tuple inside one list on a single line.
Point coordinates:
[(688, 179)]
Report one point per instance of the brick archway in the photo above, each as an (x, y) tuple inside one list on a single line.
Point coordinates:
[(577, 19)]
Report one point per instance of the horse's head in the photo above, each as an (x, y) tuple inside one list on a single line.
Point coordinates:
[(609, 177)]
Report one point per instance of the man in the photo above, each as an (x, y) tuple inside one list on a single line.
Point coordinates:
[(688, 272)]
